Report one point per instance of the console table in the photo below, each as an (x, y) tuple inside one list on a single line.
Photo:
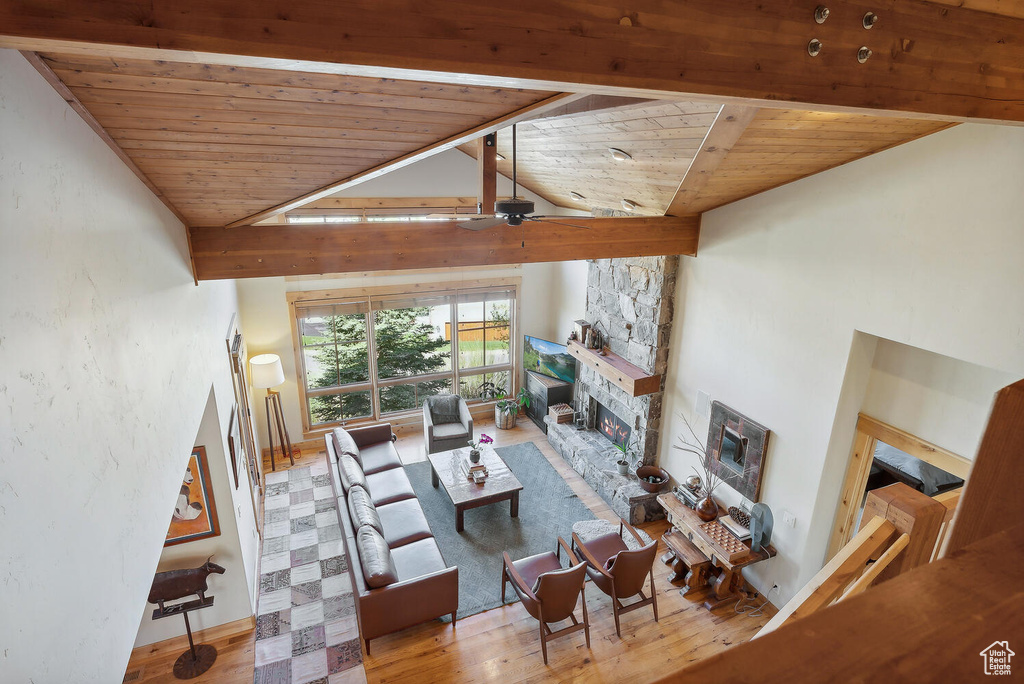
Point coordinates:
[(701, 560)]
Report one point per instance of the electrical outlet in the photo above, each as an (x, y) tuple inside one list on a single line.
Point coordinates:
[(789, 519)]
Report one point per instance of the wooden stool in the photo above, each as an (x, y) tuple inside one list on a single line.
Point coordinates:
[(688, 562)]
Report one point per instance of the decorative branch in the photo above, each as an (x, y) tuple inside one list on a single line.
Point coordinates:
[(710, 479)]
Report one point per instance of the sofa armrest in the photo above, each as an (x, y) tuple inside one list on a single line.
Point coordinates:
[(466, 417), (371, 434), (403, 604), (428, 422)]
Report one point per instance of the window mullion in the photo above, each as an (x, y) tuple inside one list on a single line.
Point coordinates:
[(371, 353)]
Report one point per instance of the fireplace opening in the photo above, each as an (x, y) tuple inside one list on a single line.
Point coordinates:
[(611, 426)]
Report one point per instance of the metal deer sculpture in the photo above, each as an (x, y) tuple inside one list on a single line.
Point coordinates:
[(175, 584)]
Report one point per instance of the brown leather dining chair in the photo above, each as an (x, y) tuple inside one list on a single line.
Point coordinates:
[(618, 571), (548, 591)]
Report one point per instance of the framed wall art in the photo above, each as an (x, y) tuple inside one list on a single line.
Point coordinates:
[(195, 512), (736, 448), (235, 443)]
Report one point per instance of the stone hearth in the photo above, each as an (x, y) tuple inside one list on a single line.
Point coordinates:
[(592, 456)]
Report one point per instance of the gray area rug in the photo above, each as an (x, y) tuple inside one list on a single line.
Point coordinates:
[(547, 509)]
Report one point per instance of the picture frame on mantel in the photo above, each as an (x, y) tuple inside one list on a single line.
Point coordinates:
[(195, 511), (736, 449)]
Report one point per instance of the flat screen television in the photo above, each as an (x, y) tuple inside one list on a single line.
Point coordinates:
[(548, 358)]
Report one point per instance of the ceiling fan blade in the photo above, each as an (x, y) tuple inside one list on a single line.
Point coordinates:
[(546, 219), (482, 223)]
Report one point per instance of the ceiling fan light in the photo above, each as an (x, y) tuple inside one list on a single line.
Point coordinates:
[(629, 205), (619, 155), (576, 196)]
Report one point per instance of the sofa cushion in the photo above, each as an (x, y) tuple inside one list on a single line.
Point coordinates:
[(444, 409), (362, 511), (417, 559), (450, 431), (389, 486), (375, 558), (344, 444), (351, 473), (379, 457), (403, 522)]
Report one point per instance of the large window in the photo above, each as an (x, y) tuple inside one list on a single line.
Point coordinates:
[(379, 355)]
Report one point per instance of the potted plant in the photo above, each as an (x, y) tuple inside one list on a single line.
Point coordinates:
[(627, 456), (474, 447), (507, 408)]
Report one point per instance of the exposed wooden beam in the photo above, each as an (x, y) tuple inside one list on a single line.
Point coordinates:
[(591, 104), (744, 49), (391, 203), (274, 250), (487, 170), (411, 158), (725, 130)]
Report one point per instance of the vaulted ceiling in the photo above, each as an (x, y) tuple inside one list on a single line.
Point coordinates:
[(233, 117)]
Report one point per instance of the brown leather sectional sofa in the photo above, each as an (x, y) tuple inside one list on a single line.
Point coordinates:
[(399, 577)]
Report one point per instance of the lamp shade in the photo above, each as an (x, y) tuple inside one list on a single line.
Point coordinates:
[(266, 371)]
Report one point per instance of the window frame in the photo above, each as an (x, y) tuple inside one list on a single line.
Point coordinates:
[(300, 301)]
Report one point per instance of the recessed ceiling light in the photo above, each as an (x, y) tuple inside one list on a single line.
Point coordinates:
[(629, 205), (577, 196), (619, 155)]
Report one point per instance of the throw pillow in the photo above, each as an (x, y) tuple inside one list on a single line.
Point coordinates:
[(445, 409), (362, 511), (351, 473), (344, 444), (375, 558)]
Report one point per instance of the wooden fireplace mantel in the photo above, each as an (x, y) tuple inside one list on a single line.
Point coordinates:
[(631, 379)]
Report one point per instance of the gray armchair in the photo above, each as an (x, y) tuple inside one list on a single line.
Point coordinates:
[(447, 423)]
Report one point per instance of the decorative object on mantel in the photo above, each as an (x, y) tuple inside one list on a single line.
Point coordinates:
[(737, 446), (579, 330), (195, 512), (175, 584), (631, 379), (506, 409), (267, 373), (474, 447), (706, 508)]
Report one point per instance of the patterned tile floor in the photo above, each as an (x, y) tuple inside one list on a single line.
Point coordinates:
[(306, 631)]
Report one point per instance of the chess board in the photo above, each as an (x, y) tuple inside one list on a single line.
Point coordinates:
[(723, 541)]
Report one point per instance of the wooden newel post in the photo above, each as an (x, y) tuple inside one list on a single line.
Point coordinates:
[(912, 513)]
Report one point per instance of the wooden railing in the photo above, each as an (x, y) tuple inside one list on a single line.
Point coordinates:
[(900, 530)]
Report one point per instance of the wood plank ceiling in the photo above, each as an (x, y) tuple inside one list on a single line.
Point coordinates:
[(560, 155), (567, 154), (223, 143)]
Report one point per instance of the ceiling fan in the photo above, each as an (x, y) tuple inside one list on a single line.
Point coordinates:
[(512, 211)]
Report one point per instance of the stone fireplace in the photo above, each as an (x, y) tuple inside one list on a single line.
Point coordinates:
[(629, 301)]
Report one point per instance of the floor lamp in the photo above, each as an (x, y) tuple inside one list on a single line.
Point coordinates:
[(267, 374)]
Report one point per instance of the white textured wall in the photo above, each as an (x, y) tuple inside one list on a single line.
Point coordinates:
[(568, 297), (922, 244), (235, 599), (939, 399), (107, 355)]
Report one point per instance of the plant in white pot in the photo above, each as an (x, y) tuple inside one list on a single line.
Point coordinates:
[(627, 456), (507, 408)]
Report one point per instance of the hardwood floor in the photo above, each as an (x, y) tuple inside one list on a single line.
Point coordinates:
[(502, 644)]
